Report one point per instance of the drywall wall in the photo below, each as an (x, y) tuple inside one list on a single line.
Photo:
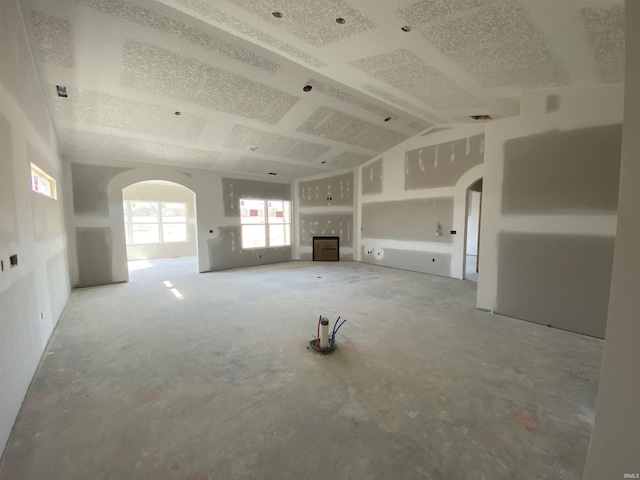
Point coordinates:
[(217, 197), (572, 298), (615, 441), (165, 192), (562, 172), (325, 207), (372, 175), (411, 188), (32, 226), (329, 191), (422, 219), (549, 178), (442, 164)]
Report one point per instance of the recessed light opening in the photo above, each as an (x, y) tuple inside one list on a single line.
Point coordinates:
[(307, 88), (272, 173), (341, 20), (277, 14), (482, 117), (387, 119), (62, 91), (406, 28), (177, 113)]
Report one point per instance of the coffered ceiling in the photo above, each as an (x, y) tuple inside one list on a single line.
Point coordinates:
[(219, 84)]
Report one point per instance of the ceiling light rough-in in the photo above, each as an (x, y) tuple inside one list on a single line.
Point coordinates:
[(510, 52), (272, 144), (54, 38), (304, 19), (187, 79), (414, 76), (143, 16), (348, 98), (211, 13), (134, 150), (105, 110), (349, 159), (263, 166), (345, 128), (605, 25)]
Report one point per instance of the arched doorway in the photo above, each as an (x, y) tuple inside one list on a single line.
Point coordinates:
[(472, 236), (159, 219)]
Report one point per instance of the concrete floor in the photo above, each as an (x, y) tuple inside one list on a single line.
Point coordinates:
[(470, 268), (139, 384)]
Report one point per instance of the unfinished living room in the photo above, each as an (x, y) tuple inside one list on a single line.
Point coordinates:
[(350, 239)]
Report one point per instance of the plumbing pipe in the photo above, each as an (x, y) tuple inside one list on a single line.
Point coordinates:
[(324, 332)]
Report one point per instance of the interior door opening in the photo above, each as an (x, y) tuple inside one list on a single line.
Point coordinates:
[(160, 225), (472, 240)]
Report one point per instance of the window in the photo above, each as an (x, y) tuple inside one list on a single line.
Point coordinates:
[(42, 183), (154, 222), (265, 227)]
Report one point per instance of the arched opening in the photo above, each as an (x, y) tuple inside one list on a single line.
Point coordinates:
[(472, 236), (160, 228)]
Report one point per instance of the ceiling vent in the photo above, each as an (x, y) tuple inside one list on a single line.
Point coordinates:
[(62, 91), (482, 117)]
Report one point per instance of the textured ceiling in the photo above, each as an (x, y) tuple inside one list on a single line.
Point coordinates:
[(235, 73)]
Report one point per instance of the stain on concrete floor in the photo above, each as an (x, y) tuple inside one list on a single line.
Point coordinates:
[(138, 384)]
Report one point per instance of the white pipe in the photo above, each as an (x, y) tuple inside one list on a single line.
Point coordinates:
[(324, 332)]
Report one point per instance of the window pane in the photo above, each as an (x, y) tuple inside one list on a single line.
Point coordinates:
[(174, 232), (252, 211), (144, 212), (279, 235), (276, 212), (145, 233), (253, 236), (174, 212)]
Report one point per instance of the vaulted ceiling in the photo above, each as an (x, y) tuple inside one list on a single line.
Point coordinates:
[(219, 84)]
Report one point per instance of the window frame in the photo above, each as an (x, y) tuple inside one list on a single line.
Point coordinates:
[(160, 222), (266, 224), (37, 174)]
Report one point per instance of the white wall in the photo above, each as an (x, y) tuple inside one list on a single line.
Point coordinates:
[(96, 227), (331, 214), (33, 294), (165, 192), (615, 442), (578, 108), (393, 189)]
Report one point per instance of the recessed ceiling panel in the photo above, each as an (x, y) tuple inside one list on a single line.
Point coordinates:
[(313, 21), (341, 127), (605, 25), (148, 18), (54, 38), (155, 69), (134, 150), (409, 73), (494, 40), (271, 144), (216, 15), (105, 110), (349, 159)]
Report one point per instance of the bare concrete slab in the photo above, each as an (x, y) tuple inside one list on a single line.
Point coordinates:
[(138, 383)]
